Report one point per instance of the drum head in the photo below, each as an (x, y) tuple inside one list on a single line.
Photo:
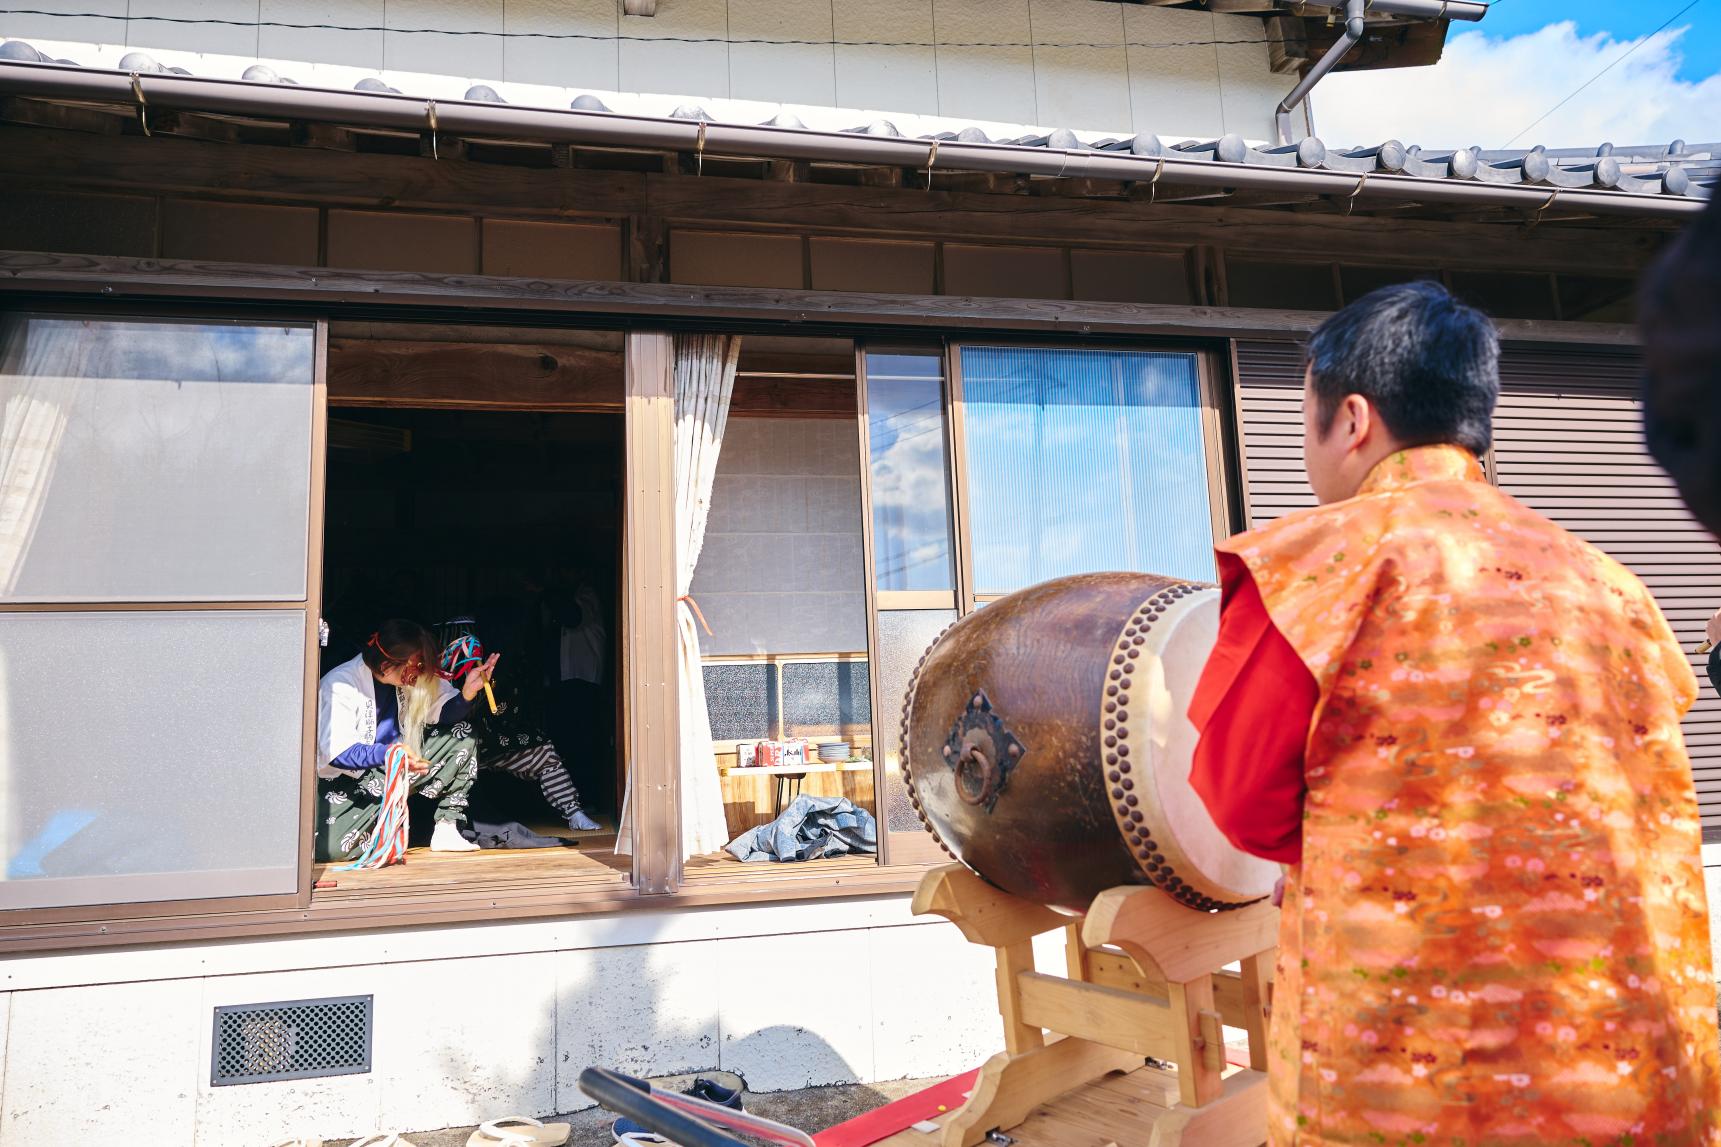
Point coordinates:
[(1186, 853)]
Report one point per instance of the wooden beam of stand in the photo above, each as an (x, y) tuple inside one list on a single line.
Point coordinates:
[(1177, 943), (984, 914), (1111, 1016), (1010, 1087), (1236, 1118), (1230, 991)]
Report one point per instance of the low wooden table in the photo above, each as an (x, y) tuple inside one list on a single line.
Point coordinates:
[(789, 777)]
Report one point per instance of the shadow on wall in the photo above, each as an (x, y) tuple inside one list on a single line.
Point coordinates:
[(461, 1039), (511, 1034)]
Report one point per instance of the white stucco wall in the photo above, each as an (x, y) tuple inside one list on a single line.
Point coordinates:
[(481, 1021), (1139, 69)]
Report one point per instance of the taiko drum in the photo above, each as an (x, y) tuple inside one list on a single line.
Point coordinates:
[(1046, 744)]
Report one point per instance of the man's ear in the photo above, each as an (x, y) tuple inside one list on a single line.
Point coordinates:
[(1360, 418)]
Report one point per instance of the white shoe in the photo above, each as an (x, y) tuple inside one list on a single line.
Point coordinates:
[(580, 822), (445, 837)]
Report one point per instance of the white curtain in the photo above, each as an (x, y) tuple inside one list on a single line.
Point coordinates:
[(43, 364), (704, 380)]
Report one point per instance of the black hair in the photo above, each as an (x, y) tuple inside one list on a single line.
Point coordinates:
[(1428, 363), (1682, 352), (398, 640)]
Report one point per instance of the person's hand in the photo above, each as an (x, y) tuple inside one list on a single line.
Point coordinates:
[(1713, 630), (417, 765), (1279, 892), (478, 675)]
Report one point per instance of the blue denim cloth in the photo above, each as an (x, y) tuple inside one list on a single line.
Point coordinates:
[(810, 828)]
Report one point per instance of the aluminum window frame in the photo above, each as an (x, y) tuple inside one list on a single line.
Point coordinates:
[(310, 605), (1209, 392)]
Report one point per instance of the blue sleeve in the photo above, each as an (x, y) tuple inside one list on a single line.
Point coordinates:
[(454, 709), (362, 757)]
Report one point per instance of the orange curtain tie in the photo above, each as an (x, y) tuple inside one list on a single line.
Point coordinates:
[(697, 612)]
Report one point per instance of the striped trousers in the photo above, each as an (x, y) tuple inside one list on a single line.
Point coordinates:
[(542, 765)]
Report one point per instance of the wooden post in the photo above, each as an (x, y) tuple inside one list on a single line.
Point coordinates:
[(1257, 981), (651, 690), (1013, 962), (1198, 1044), (1077, 964)]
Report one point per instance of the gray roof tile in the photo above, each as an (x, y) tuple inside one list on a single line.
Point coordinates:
[(1676, 168)]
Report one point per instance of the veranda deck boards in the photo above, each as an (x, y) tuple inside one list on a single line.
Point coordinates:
[(593, 865), (594, 862)]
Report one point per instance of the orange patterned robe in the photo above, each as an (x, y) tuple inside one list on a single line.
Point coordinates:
[(1498, 932)]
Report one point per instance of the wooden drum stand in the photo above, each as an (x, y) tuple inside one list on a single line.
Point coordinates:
[(1144, 981)]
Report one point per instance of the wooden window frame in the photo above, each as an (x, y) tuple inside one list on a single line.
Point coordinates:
[(104, 915)]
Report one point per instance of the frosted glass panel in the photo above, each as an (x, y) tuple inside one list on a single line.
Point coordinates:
[(1081, 461), (149, 756), (826, 699), (904, 636), (742, 701), (783, 566), (153, 461)]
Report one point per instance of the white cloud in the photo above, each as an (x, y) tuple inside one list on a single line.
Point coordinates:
[(1485, 90)]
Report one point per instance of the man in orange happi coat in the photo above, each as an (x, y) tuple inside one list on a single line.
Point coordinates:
[(1457, 725)]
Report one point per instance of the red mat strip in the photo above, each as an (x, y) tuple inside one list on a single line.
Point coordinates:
[(883, 1122), (940, 1098)]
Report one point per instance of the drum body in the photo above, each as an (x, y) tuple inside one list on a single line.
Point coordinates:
[(1046, 745)]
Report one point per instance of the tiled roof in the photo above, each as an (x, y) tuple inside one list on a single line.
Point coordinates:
[(1676, 169)]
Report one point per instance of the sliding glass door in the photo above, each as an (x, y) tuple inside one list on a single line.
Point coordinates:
[(993, 467), (157, 479)]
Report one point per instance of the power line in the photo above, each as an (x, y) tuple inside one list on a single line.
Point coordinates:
[(621, 38), (1603, 72)]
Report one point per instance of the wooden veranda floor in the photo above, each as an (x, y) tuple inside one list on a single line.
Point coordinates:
[(592, 866)]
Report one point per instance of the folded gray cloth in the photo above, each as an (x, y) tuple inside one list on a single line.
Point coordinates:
[(810, 828), (512, 834)]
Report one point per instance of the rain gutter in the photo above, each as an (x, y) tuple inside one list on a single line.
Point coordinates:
[(1419, 9), (1152, 164)]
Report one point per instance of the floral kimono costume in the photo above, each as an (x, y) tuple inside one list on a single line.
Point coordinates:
[(1494, 928)]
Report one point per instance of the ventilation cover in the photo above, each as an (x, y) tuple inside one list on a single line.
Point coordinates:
[(299, 1039)]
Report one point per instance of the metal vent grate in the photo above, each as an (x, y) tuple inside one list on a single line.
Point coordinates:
[(299, 1039)]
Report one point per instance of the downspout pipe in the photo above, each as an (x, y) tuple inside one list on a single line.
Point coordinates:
[(1355, 25), (1355, 10)]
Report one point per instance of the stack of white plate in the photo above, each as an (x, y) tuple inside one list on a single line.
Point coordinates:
[(834, 753)]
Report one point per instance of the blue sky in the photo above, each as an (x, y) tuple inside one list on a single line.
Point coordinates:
[(1499, 81), (1625, 19)]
